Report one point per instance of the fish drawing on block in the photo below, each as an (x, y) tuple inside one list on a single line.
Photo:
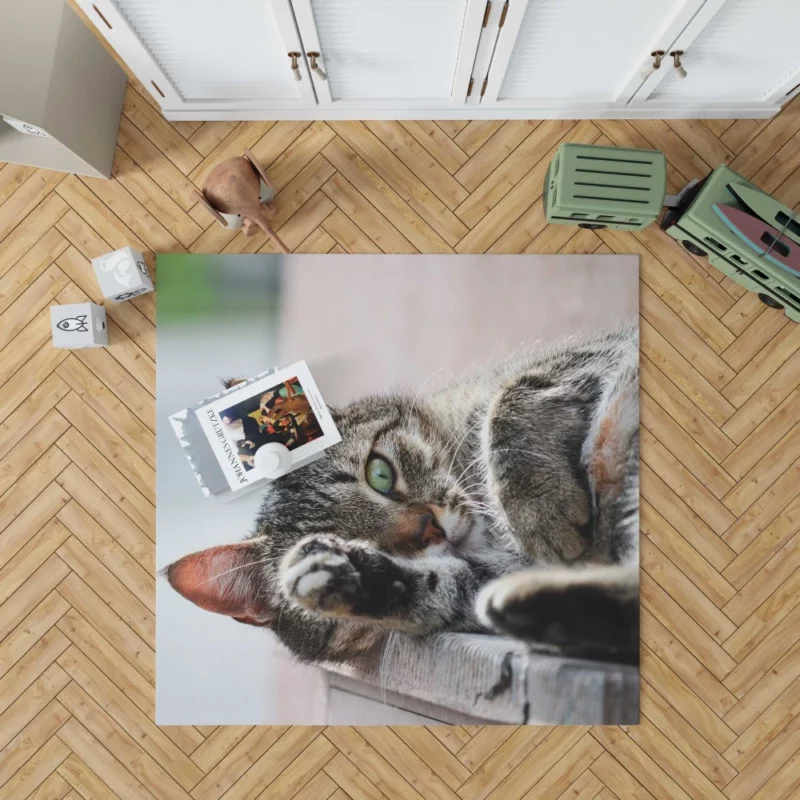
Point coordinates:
[(763, 238), (74, 324)]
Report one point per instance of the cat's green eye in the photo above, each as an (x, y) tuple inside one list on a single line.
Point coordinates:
[(380, 475)]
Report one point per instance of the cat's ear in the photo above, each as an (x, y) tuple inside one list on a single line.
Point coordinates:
[(226, 580)]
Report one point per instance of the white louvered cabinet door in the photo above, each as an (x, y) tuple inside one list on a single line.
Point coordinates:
[(562, 54), (390, 53), (736, 51), (208, 54)]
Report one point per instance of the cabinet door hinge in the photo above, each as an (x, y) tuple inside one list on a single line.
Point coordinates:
[(469, 88), (483, 88), (487, 12), (503, 15)]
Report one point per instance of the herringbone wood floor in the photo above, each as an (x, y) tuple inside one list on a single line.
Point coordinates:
[(720, 490)]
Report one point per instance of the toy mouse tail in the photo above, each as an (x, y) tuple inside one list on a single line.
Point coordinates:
[(263, 223)]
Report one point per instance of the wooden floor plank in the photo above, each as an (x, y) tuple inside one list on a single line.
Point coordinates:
[(417, 159), (767, 617), (136, 108), (759, 589), (493, 152), (209, 134), (17, 533), (31, 266), (399, 194), (162, 171), (684, 448), (510, 172), (28, 559), (12, 176), (684, 556), (475, 134), (30, 230), (685, 413), (18, 205), (31, 593), (237, 762), (437, 143), (287, 147), (31, 629), (90, 757), (37, 770), (683, 157), (34, 299), (120, 744), (365, 218), (643, 768), (144, 189), (683, 735)]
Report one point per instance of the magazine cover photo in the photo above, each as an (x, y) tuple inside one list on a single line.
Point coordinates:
[(454, 537), (280, 414)]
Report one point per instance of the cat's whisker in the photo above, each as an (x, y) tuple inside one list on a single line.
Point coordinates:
[(465, 488), (247, 565), (476, 459), (450, 439), (540, 458), (455, 454), (418, 392), (284, 604), (491, 511), (483, 510)]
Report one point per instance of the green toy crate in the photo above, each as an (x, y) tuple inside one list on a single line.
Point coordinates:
[(695, 224), (605, 187)]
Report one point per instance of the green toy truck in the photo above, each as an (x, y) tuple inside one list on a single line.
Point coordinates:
[(700, 230)]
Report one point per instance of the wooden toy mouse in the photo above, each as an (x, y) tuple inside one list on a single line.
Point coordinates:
[(233, 189)]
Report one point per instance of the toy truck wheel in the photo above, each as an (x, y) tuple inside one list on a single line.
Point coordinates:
[(592, 226), (693, 248), (769, 301)]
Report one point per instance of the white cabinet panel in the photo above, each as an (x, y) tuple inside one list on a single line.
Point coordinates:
[(207, 53), (391, 52), (230, 50), (576, 51), (749, 51)]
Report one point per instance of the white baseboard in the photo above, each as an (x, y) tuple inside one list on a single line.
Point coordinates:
[(700, 111)]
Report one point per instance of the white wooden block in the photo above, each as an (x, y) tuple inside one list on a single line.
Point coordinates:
[(122, 274), (78, 325)]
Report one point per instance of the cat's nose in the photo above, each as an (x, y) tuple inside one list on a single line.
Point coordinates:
[(431, 531)]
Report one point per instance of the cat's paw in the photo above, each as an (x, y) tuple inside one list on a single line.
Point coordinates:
[(588, 613), (319, 575)]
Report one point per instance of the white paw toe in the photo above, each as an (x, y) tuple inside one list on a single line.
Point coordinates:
[(311, 573), (311, 584), (489, 598), (498, 595)]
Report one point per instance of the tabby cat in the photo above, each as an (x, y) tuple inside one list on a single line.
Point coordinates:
[(507, 503)]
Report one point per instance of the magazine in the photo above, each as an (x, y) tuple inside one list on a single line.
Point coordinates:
[(284, 407)]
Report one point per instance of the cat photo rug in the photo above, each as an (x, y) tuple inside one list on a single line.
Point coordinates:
[(467, 553)]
